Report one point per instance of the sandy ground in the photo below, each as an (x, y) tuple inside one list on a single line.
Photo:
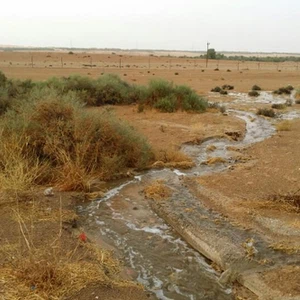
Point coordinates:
[(246, 193), (141, 69), (169, 131)]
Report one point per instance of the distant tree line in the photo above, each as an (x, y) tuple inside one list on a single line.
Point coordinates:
[(212, 54)]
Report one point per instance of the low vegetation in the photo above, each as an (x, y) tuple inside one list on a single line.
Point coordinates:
[(284, 90), (256, 88), (217, 105), (267, 112), (297, 96), (223, 90), (107, 89), (47, 137), (284, 126), (227, 87), (253, 93), (157, 190), (278, 106)]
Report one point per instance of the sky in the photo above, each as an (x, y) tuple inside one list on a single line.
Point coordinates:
[(229, 25)]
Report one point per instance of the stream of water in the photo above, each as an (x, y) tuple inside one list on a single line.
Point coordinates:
[(152, 251)]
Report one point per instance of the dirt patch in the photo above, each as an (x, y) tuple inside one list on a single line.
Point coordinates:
[(288, 275), (191, 71), (170, 130)]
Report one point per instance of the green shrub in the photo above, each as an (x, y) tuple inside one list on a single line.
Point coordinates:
[(193, 102), (166, 104), (278, 106), (253, 94), (266, 112), (256, 88), (107, 89), (284, 90), (217, 89), (158, 89), (227, 87), (222, 92), (3, 79), (4, 101)]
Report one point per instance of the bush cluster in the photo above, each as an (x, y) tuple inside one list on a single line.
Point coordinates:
[(223, 90), (266, 112), (53, 140), (253, 93), (107, 89), (278, 106), (284, 90), (256, 88)]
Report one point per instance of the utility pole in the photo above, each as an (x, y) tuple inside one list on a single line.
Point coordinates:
[(207, 46)]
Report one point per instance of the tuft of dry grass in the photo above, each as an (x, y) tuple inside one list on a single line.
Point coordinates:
[(157, 190), (172, 159), (286, 248), (51, 271), (17, 172), (169, 155), (215, 160), (211, 148), (284, 126)]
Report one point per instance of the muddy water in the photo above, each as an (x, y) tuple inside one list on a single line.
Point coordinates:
[(156, 256), (153, 253)]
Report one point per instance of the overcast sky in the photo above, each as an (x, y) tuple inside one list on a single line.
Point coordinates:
[(242, 25)]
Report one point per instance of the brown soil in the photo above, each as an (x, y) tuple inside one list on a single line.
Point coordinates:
[(257, 189), (244, 194), (136, 68), (170, 131)]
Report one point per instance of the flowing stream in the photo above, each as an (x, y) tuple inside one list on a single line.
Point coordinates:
[(153, 253)]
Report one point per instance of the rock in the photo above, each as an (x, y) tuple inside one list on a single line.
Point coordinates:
[(49, 192)]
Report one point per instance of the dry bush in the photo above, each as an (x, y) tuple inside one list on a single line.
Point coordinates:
[(18, 171), (169, 155), (172, 159), (284, 126), (56, 141), (157, 191)]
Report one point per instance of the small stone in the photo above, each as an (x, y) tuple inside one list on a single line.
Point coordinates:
[(49, 192)]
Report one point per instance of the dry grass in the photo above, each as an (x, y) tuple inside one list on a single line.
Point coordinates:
[(278, 205), (51, 271), (58, 142), (171, 156), (286, 248), (157, 191), (211, 148), (17, 172), (172, 159), (291, 200), (215, 160), (46, 275), (284, 126)]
